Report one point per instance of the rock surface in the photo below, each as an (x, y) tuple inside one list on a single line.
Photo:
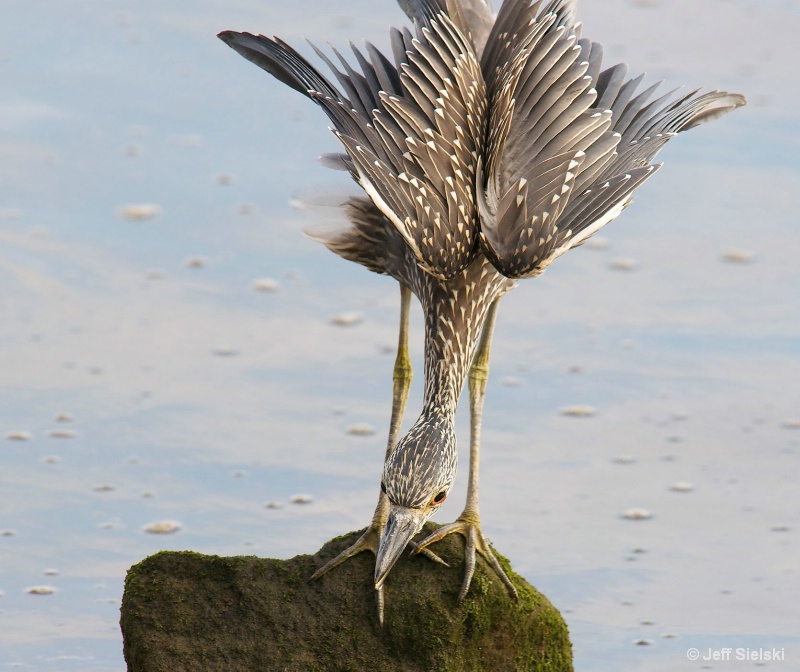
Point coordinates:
[(183, 611)]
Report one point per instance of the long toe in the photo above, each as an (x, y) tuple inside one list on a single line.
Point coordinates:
[(468, 525), (366, 542), (426, 552)]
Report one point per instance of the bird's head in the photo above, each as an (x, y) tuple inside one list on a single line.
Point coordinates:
[(417, 477)]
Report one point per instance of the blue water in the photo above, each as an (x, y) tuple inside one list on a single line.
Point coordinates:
[(194, 398)]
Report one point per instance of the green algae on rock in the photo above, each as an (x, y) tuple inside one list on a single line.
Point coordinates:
[(183, 611)]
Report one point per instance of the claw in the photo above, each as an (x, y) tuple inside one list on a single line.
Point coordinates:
[(366, 542), (428, 553), (468, 526)]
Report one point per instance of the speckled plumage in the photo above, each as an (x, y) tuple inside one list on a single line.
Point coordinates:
[(487, 146), (454, 312)]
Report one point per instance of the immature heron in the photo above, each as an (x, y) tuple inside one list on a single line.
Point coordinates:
[(488, 146)]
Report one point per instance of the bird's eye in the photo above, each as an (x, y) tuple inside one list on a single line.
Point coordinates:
[(438, 499)]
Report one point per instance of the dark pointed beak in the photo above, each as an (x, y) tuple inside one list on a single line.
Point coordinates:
[(401, 525)]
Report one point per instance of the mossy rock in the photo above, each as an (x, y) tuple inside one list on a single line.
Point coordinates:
[(183, 611)]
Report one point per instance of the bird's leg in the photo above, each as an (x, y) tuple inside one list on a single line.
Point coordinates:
[(402, 383), (469, 522)]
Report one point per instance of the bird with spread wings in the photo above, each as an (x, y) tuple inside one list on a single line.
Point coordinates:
[(487, 146)]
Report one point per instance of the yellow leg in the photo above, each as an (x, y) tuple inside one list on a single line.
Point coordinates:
[(402, 383)]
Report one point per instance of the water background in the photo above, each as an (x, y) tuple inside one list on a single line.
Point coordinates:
[(145, 378)]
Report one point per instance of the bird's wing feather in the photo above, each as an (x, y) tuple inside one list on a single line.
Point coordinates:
[(385, 70), (414, 147), (434, 133), (269, 55), (474, 18), (715, 104), (599, 205), (568, 142), (336, 161), (542, 128), (644, 128), (284, 63), (422, 12), (368, 239)]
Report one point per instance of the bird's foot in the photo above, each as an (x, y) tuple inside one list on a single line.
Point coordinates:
[(369, 542), (366, 542), (468, 525)]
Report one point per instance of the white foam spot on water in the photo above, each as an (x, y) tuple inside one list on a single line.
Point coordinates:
[(162, 527), (139, 211), (597, 243), (196, 262), (623, 265), (736, 256), (61, 434), (637, 514), (265, 285), (578, 411), (40, 590), (361, 429), (347, 319)]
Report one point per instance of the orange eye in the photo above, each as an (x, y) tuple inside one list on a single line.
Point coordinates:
[(439, 498)]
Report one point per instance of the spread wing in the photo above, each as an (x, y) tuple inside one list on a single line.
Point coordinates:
[(569, 143), (505, 131), (413, 130), (543, 125), (434, 133)]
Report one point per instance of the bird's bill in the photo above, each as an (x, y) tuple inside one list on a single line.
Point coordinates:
[(401, 525)]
